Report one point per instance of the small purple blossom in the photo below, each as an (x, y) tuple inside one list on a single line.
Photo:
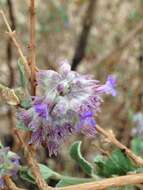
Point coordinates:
[(9, 164), (87, 124), (108, 87), (41, 109), (67, 104)]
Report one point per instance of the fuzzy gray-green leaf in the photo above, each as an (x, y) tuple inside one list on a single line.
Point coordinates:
[(75, 153)]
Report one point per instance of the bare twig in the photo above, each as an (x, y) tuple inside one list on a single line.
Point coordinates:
[(9, 44), (12, 36), (42, 185), (107, 183), (10, 184), (111, 137), (82, 41), (32, 45), (9, 58)]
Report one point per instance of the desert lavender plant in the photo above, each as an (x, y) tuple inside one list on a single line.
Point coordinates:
[(9, 164), (67, 104)]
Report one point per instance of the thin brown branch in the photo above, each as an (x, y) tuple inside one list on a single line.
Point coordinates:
[(111, 137), (32, 45), (42, 185), (9, 43), (10, 56), (10, 184), (107, 183), (83, 38), (11, 34)]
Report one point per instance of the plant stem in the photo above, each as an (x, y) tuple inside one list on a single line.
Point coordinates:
[(111, 137), (107, 183), (10, 184), (32, 45), (17, 45), (42, 185)]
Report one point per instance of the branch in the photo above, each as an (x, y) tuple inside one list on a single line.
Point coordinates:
[(42, 185), (82, 41), (32, 45), (10, 56), (17, 45), (10, 184), (111, 137), (9, 44), (107, 183)]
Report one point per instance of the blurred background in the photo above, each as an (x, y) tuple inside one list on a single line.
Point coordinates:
[(98, 37)]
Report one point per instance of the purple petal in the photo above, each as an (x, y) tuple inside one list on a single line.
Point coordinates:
[(37, 136), (89, 127), (86, 114), (42, 110), (52, 147), (24, 116), (108, 87)]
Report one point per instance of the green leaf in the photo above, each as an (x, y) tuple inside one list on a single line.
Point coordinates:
[(137, 145), (26, 103), (23, 79), (117, 164), (65, 181), (46, 172), (25, 176), (99, 160), (75, 153)]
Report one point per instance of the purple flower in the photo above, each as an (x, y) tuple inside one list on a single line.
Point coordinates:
[(108, 87), (42, 110), (67, 104), (9, 164), (87, 124)]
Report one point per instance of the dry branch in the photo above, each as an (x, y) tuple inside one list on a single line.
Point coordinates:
[(83, 38), (111, 137), (107, 183), (10, 184), (17, 45), (42, 185), (32, 45), (9, 43)]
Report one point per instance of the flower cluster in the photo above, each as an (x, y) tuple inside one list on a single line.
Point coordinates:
[(9, 164), (67, 104)]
